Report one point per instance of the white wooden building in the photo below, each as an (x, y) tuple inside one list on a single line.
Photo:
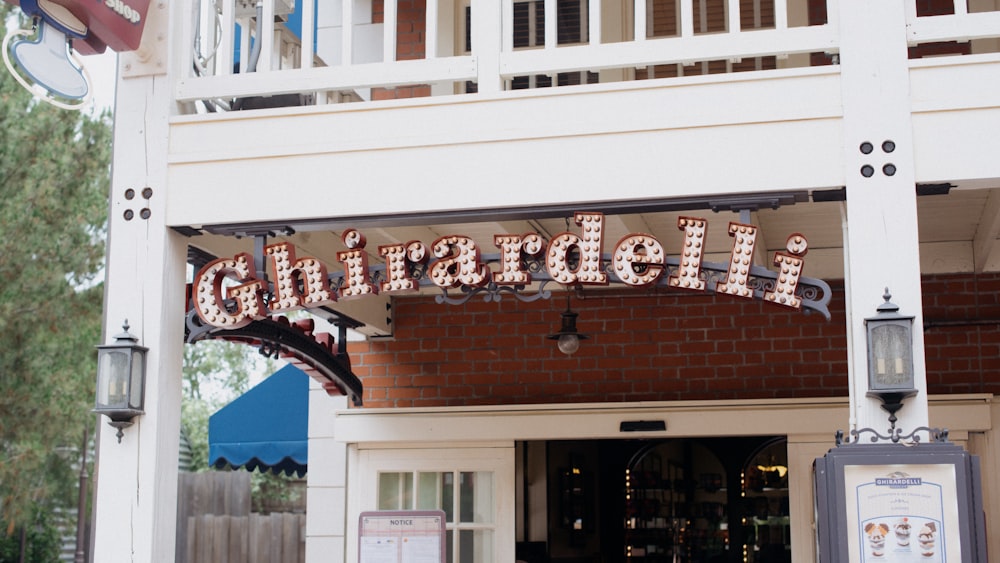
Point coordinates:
[(817, 116)]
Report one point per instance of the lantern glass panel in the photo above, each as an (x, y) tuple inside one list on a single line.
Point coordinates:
[(135, 389), (891, 349), (114, 372)]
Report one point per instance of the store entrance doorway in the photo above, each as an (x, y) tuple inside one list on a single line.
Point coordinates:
[(678, 500)]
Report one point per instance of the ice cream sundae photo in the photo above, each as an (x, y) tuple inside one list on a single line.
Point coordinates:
[(925, 537), (902, 531), (876, 533)]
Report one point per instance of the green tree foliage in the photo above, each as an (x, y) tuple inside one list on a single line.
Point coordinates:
[(216, 373), (54, 180), (38, 542)]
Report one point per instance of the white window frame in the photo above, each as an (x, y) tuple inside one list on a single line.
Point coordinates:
[(368, 464)]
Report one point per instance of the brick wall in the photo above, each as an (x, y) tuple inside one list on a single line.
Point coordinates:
[(666, 347), (410, 41), (673, 346), (962, 333)]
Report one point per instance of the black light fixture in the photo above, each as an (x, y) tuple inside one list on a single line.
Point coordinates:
[(568, 337), (121, 380), (890, 357)]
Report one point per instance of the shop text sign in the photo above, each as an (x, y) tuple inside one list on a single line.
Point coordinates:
[(227, 293), (416, 536)]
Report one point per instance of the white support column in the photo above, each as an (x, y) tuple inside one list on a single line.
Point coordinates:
[(882, 246), (136, 480), (347, 33), (640, 15), (486, 41), (308, 33), (431, 36), (389, 30), (551, 24), (326, 496), (269, 53), (594, 17)]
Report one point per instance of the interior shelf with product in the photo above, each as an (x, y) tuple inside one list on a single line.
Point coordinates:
[(707, 500)]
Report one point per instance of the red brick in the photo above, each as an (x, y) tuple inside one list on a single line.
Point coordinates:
[(489, 353)]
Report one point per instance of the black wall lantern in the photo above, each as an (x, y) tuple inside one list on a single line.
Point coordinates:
[(121, 380), (890, 357)]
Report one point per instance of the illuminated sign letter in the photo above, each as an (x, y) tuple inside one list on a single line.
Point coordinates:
[(588, 268), (459, 263), (210, 296), (315, 285), (790, 266), (638, 259), (355, 261), (398, 258), (688, 275), (740, 261), (512, 247)]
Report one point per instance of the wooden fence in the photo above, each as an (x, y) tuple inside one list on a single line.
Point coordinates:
[(257, 538), (215, 525)]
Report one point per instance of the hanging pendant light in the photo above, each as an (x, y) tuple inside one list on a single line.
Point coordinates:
[(568, 338)]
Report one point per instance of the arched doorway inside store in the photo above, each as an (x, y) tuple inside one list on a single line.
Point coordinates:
[(690, 500)]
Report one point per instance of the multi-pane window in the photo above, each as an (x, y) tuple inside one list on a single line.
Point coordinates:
[(529, 33), (710, 16), (466, 497)]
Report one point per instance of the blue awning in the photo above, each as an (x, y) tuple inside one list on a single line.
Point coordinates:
[(266, 428)]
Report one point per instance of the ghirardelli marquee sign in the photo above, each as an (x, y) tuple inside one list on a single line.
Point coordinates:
[(228, 294)]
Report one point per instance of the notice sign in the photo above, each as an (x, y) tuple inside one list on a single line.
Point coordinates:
[(902, 513), (402, 536)]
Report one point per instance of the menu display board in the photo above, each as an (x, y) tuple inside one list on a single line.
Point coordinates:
[(407, 536), (896, 503), (902, 513)]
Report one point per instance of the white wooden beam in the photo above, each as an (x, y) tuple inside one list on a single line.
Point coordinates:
[(956, 27), (389, 23), (984, 244), (486, 44), (733, 16), (669, 50), (551, 24), (326, 78), (594, 20), (882, 242), (308, 33), (347, 33), (640, 18), (627, 224), (269, 54), (135, 495), (431, 35)]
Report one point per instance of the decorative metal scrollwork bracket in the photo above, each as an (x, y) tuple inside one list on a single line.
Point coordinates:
[(895, 435)]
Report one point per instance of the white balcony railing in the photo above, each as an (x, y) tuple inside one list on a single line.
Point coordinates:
[(962, 24), (453, 47)]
